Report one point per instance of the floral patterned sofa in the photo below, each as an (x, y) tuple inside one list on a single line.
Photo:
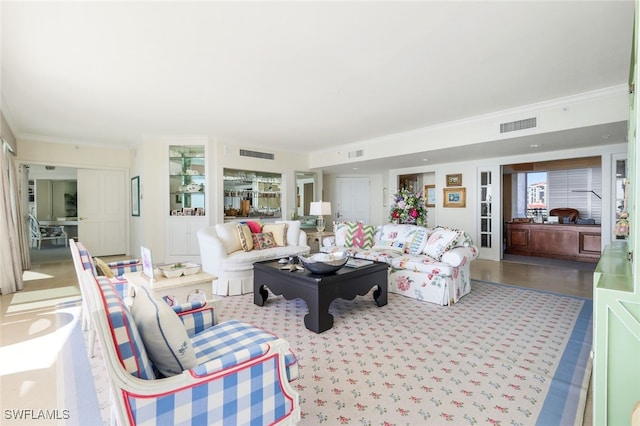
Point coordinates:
[(428, 264)]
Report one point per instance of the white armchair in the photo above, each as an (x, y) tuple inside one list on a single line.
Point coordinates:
[(41, 232)]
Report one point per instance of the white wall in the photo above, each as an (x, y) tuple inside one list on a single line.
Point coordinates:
[(587, 109)]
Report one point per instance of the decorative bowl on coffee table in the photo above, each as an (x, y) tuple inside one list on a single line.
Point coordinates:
[(324, 263)]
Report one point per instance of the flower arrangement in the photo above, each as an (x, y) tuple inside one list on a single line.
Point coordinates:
[(408, 207)]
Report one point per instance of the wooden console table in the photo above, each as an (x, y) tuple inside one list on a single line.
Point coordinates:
[(557, 241)]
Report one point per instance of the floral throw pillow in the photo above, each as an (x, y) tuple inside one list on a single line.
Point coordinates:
[(441, 240), (263, 240)]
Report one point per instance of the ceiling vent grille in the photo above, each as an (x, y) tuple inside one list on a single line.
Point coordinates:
[(514, 126), (356, 154), (256, 154)]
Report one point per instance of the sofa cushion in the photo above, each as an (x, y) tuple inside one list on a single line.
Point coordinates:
[(441, 240), (263, 240), (164, 336), (422, 263), (244, 234), (244, 260), (279, 232), (385, 256), (389, 245), (293, 231), (228, 234)]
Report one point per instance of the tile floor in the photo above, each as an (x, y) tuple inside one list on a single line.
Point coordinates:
[(29, 338)]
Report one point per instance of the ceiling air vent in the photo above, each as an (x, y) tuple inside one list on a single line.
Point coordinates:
[(256, 154), (514, 126), (356, 154)]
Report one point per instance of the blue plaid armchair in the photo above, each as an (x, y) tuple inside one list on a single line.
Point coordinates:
[(241, 375)]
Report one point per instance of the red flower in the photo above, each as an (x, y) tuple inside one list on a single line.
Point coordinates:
[(414, 213)]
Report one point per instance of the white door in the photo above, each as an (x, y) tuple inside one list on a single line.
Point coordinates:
[(352, 195), (488, 208), (102, 211)]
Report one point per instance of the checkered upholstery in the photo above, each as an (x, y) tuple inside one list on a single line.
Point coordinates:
[(249, 395), (131, 352), (242, 376), (224, 341), (196, 317), (85, 258), (121, 267)]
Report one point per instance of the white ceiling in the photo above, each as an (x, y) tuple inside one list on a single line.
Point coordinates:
[(297, 75)]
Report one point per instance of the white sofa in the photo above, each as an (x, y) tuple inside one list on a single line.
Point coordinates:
[(428, 264), (223, 255)]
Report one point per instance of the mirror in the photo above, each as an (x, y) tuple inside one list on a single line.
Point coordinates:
[(305, 192)]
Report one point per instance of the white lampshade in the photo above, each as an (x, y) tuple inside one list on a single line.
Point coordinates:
[(320, 208)]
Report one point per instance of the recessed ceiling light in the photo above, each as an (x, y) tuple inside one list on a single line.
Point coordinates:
[(535, 145), (425, 159), (355, 169)]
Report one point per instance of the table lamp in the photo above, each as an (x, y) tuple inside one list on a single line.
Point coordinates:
[(320, 209)]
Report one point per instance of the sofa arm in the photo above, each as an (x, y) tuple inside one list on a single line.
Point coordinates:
[(196, 317), (302, 238), (460, 255), (212, 250), (329, 241), (121, 267)]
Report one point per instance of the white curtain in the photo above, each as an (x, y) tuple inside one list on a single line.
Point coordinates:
[(11, 271), (22, 216)]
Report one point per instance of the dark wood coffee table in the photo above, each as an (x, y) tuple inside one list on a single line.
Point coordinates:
[(318, 291)]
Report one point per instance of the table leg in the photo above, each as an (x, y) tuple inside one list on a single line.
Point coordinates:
[(260, 295), (318, 319)]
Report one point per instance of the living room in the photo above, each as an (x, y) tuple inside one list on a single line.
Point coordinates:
[(286, 107)]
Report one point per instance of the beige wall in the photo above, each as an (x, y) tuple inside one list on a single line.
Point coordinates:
[(64, 154), (7, 134)]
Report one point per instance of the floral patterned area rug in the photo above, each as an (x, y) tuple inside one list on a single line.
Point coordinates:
[(502, 355)]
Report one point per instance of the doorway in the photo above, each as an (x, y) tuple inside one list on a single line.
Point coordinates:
[(352, 195), (96, 213)]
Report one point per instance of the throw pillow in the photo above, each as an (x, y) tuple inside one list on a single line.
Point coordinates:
[(163, 334), (398, 232), (103, 268), (359, 235), (255, 227), (279, 231), (441, 240), (244, 233), (340, 233), (263, 240), (228, 233), (419, 241), (397, 246), (293, 231)]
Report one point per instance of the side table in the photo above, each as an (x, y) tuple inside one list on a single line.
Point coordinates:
[(318, 236), (182, 289)]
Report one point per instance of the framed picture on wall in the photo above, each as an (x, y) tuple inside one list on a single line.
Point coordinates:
[(430, 195), (455, 197), (454, 180), (135, 196)]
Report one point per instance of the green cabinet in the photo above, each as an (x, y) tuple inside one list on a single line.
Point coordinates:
[(616, 366)]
